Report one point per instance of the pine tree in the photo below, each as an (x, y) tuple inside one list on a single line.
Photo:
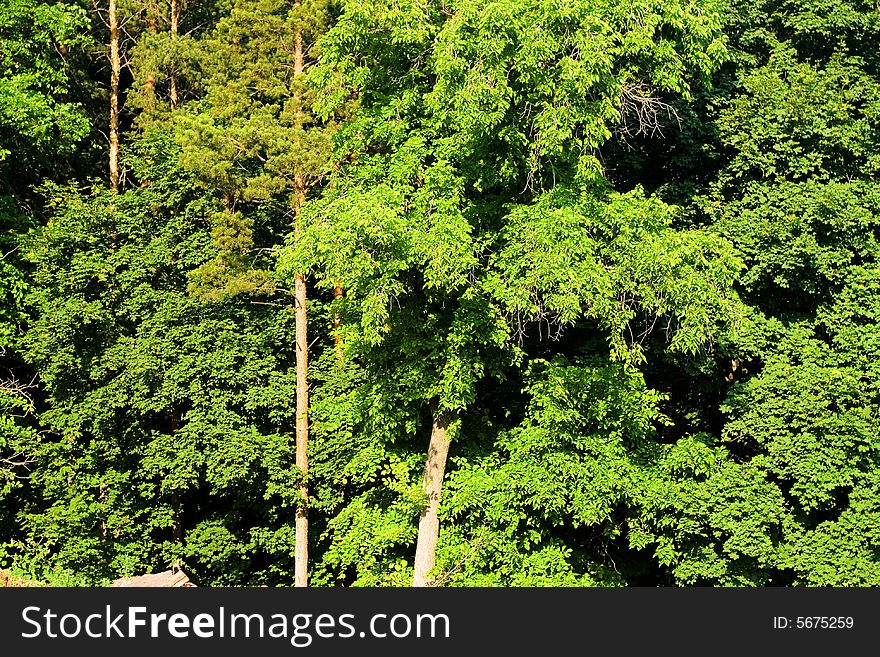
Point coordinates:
[(266, 158)]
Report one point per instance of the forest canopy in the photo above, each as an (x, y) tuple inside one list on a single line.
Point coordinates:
[(441, 292)]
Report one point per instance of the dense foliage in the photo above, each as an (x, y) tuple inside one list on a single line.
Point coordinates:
[(622, 258)]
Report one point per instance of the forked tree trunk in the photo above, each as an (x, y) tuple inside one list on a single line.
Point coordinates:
[(301, 549), (432, 484), (115, 70)]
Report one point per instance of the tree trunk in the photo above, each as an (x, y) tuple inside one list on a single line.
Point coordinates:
[(175, 17), (103, 496), (151, 17), (115, 69), (432, 484), (176, 503), (301, 554)]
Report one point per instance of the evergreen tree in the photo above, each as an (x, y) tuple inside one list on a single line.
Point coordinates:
[(263, 158)]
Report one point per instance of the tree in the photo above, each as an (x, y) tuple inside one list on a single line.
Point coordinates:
[(283, 152), (42, 123), (490, 148), (161, 440)]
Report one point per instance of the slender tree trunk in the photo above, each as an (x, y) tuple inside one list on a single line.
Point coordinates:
[(176, 503), (115, 69), (432, 484), (301, 553), (175, 18), (177, 520), (103, 496)]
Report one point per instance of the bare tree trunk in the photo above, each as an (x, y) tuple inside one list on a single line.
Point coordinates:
[(175, 18), (301, 553), (432, 484), (151, 19), (115, 69)]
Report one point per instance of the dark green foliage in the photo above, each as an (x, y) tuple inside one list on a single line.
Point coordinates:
[(797, 197), (163, 410)]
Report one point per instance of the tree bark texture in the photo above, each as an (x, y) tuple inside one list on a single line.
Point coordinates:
[(115, 70), (301, 554), (301, 550), (175, 19), (432, 484)]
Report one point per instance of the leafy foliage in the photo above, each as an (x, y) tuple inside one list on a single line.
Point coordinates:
[(630, 250)]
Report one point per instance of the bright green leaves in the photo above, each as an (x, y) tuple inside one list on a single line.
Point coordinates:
[(458, 222), (541, 81), (614, 259), (370, 238), (550, 264), (572, 454), (809, 421), (361, 240), (515, 94), (35, 81), (521, 513), (545, 79)]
